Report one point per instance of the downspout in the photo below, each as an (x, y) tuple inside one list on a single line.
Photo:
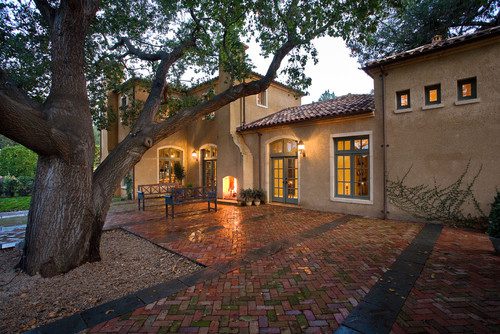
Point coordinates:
[(384, 142), (260, 159)]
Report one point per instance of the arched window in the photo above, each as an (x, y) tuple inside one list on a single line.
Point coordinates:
[(284, 147), (167, 157)]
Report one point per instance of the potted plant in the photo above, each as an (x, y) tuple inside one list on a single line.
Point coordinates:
[(247, 196), (179, 172), (494, 223), (258, 195)]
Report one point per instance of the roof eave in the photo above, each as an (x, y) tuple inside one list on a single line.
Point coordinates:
[(319, 118), (378, 64)]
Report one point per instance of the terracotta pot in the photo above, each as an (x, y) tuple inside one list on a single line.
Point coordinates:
[(496, 244)]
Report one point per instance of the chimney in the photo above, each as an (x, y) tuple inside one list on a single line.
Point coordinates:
[(437, 39)]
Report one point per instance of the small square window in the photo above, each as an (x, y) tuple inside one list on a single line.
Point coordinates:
[(467, 89), (433, 94), (262, 99), (403, 99)]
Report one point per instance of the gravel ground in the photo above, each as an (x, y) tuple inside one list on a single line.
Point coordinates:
[(128, 264)]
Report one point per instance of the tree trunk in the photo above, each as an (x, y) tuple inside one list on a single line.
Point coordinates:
[(60, 218), (61, 212)]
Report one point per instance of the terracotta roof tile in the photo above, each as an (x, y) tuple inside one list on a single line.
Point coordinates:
[(347, 105), (434, 47)]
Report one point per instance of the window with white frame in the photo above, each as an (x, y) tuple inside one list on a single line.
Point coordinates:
[(352, 167), (262, 99)]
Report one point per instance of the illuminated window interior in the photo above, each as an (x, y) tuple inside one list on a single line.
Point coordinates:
[(352, 160), (467, 89), (167, 157), (403, 99), (433, 94)]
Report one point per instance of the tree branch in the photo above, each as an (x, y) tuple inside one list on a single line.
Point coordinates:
[(132, 50), (174, 123), (158, 85), (21, 120)]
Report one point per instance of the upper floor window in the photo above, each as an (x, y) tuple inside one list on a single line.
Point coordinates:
[(433, 94), (262, 99), (403, 99), (467, 89)]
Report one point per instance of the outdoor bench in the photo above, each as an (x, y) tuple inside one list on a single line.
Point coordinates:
[(180, 196), (152, 191)]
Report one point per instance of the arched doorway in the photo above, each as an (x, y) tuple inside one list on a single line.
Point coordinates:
[(208, 154), (167, 157), (284, 171), (229, 187)]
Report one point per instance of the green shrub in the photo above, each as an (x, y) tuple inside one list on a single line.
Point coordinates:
[(10, 186), (247, 194), (129, 185), (17, 161), (259, 194), (494, 218), (25, 187), (179, 172)]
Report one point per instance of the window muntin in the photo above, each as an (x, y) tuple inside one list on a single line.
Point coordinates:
[(284, 147), (262, 99), (352, 167), (167, 157), (209, 152), (433, 94), (467, 89), (403, 99)]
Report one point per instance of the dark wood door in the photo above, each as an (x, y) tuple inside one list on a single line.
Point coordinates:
[(210, 173)]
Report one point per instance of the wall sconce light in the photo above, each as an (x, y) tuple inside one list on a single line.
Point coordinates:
[(194, 155), (302, 149)]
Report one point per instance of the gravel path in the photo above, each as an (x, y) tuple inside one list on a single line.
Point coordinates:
[(128, 264)]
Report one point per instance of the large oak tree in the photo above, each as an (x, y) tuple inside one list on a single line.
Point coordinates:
[(58, 58)]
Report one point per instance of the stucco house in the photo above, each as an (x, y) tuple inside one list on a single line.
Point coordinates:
[(212, 152), (435, 110)]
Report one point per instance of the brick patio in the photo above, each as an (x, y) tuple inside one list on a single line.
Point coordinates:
[(277, 269)]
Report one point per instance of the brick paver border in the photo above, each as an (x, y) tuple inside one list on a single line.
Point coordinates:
[(115, 308), (380, 307)]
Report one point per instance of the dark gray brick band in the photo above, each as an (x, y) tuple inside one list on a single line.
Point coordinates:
[(380, 307)]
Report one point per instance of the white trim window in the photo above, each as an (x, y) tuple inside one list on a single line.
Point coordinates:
[(352, 168), (262, 99)]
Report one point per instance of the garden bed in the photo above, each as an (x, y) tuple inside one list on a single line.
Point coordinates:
[(128, 264)]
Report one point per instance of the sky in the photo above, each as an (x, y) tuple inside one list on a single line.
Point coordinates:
[(336, 69)]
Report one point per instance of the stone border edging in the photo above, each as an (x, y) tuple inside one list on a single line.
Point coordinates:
[(378, 311)]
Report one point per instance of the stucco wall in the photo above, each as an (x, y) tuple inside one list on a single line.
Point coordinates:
[(315, 179), (146, 170), (439, 143), (278, 98)]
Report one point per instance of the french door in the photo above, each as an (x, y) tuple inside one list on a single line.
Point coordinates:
[(210, 173), (285, 179)]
